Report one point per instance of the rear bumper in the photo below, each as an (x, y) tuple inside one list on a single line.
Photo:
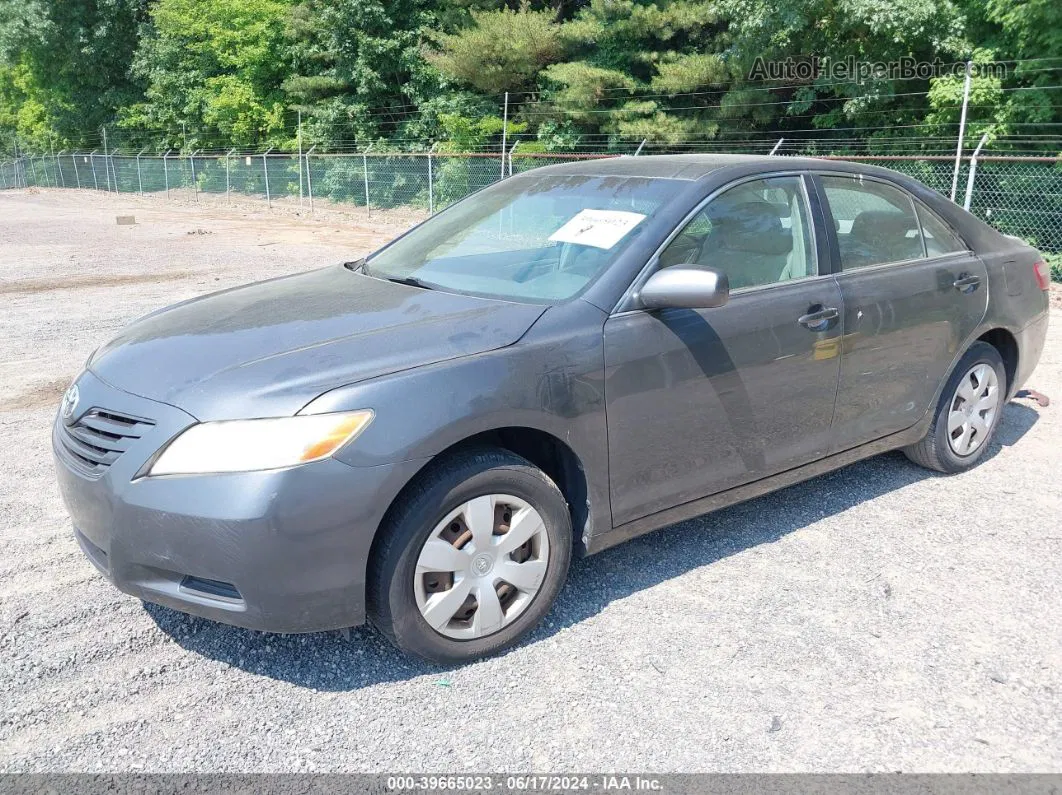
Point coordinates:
[(1031, 341), (280, 551)]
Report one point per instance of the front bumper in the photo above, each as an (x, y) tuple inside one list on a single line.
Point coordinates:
[(280, 551)]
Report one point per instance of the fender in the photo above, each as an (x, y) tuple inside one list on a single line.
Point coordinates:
[(551, 381)]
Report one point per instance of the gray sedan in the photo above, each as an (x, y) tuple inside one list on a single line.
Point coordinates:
[(567, 359)]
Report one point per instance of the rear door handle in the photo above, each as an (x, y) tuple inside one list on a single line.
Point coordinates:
[(966, 283), (819, 320)]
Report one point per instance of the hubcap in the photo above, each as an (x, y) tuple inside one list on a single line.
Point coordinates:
[(973, 409), (481, 566)]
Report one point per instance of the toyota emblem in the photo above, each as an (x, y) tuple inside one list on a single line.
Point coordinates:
[(70, 399)]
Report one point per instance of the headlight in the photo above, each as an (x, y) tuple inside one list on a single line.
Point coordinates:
[(247, 445)]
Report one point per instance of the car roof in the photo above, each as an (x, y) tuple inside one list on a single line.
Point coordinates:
[(691, 167)]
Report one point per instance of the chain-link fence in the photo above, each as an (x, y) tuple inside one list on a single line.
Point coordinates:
[(1018, 195)]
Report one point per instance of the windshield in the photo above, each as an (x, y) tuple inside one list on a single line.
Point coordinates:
[(536, 238)]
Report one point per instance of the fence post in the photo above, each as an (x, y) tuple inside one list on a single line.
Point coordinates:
[(106, 173), (228, 184), (505, 130), (166, 171), (191, 163), (33, 171), (92, 162), (511, 157), (962, 130), (431, 180), (265, 170), (309, 180), (114, 173), (77, 177), (365, 173), (59, 165), (638, 151), (300, 158), (777, 146), (973, 173), (139, 176)]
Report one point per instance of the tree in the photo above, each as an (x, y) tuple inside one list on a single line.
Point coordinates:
[(358, 71), (502, 51), (64, 67), (213, 71)]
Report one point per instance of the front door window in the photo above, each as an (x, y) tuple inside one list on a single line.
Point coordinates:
[(757, 233)]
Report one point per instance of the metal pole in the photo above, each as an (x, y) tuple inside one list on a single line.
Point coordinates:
[(20, 166), (300, 158), (106, 173), (265, 169), (92, 162), (962, 130), (365, 173), (228, 188), (431, 180), (33, 171), (777, 146), (973, 172), (511, 157), (166, 171), (139, 176), (191, 163), (59, 165), (638, 151), (77, 177), (505, 130), (114, 173), (309, 181)]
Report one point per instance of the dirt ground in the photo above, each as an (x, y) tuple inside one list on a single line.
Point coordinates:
[(879, 618)]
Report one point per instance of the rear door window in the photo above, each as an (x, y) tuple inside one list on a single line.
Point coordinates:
[(875, 223), (940, 240)]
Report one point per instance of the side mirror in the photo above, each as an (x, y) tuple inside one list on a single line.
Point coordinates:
[(685, 288)]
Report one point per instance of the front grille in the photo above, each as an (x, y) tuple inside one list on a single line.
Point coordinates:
[(98, 438)]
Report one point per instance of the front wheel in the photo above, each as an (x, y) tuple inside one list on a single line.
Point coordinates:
[(472, 558), (969, 410)]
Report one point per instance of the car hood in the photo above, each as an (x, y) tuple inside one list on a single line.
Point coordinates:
[(267, 349)]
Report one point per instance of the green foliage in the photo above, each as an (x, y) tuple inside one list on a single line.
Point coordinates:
[(397, 74), (213, 70), (357, 69), (64, 68), (463, 134), (1054, 261), (502, 51)]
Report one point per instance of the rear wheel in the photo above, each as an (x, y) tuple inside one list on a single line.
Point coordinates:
[(472, 559), (969, 410)]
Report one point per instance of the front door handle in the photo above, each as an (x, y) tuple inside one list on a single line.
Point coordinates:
[(818, 320), (966, 283)]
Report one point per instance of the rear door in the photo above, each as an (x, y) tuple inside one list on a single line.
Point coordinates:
[(912, 293)]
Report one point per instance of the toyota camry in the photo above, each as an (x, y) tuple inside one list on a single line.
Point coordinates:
[(569, 358)]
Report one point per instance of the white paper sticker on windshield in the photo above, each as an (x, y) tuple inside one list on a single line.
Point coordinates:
[(597, 228)]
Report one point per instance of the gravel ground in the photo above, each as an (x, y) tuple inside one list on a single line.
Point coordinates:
[(879, 618)]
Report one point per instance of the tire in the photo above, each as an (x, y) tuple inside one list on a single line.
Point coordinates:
[(938, 450), (401, 594)]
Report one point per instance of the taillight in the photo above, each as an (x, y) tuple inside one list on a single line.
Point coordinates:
[(1043, 275)]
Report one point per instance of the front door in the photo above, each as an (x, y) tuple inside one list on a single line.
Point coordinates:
[(699, 401), (912, 294)]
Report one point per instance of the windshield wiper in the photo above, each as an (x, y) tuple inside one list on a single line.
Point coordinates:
[(412, 281)]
